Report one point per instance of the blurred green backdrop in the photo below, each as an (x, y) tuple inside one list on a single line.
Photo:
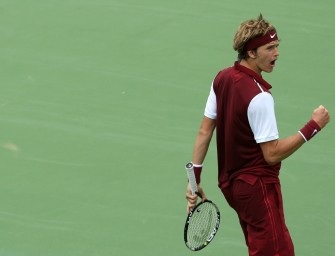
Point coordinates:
[(100, 103)]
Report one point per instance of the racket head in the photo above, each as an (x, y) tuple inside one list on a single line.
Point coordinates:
[(202, 224)]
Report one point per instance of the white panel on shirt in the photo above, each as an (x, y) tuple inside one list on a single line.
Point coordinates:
[(261, 115), (262, 119), (210, 110)]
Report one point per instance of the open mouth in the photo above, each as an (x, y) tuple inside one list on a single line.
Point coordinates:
[(273, 62)]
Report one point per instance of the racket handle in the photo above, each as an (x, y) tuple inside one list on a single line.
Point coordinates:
[(191, 178)]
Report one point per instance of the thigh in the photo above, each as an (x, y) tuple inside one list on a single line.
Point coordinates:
[(259, 207)]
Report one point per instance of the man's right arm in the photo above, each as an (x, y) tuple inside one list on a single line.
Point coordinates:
[(203, 140), (201, 145)]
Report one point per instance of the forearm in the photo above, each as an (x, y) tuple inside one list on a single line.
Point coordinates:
[(203, 140), (201, 147), (276, 151)]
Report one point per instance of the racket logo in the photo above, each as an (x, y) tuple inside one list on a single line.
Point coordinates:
[(210, 238)]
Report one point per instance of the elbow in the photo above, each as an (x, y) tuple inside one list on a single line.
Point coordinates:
[(271, 160), (205, 133), (270, 151)]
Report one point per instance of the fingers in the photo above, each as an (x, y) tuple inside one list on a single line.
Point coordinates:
[(321, 116), (323, 108), (203, 195), (191, 201)]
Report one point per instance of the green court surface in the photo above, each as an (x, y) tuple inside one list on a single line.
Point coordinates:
[(100, 103)]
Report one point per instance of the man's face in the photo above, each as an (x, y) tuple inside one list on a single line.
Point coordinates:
[(266, 56)]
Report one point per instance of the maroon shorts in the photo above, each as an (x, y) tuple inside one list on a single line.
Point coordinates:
[(259, 207)]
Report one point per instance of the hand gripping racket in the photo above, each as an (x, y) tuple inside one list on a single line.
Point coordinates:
[(202, 223)]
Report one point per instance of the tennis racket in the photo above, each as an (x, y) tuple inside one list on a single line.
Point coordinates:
[(203, 221)]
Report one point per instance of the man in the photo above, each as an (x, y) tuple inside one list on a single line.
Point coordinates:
[(241, 109)]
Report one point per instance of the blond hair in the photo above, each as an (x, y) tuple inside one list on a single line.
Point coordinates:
[(248, 30)]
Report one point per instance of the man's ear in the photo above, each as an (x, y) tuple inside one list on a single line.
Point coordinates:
[(252, 54)]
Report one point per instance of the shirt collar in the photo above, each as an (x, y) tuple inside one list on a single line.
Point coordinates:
[(253, 74)]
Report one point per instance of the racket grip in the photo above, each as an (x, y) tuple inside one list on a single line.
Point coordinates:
[(191, 178)]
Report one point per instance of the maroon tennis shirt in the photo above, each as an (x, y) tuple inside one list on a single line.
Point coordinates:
[(239, 155)]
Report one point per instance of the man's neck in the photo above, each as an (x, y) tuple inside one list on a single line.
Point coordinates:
[(251, 64)]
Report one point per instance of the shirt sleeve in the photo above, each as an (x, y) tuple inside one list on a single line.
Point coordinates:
[(262, 119), (211, 108)]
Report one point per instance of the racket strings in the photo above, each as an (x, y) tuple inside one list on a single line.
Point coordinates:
[(202, 224)]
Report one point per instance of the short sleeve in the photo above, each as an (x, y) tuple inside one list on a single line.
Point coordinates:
[(211, 106), (262, 119)]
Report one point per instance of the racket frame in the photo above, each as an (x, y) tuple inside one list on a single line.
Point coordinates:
[(212, 234)]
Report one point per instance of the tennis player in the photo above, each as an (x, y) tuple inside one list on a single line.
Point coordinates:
[(241, 109)]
